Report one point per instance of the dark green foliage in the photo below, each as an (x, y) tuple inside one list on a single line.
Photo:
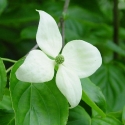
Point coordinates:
[(37, 104), (3, 79), (89, 20)]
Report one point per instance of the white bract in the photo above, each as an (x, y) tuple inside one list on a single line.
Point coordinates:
[(78, 59)]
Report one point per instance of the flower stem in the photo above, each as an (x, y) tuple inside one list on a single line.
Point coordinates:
[(9, 69), (8, 60)]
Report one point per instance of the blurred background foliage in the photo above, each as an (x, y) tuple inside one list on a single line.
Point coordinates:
[(89, 20)]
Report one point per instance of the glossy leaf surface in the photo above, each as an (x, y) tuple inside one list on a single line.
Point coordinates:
[(93, 96), (3, 78), (111, 80), (78, 116), (37, 104)]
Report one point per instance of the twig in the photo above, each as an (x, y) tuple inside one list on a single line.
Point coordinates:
[(66, 5), (35, 47), (116, 25), (62, 21)]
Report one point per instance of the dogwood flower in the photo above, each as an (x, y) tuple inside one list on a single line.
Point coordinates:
[(78, 59)]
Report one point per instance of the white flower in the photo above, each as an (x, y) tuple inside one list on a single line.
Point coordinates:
[(78, 59)]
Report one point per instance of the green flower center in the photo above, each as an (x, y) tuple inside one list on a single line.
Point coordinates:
[(59, 59)]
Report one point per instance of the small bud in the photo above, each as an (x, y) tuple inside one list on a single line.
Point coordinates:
[(59, 59)]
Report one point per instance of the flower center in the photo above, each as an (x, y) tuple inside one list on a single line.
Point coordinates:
[(59, 59)]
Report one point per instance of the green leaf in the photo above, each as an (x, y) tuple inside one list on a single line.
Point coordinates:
[(83, 14), (7, 117), (109, 120), (117, 115), (6, 103), (3, 78), (123, 115), (29, 32), (40, 103), (111, 79), (88, 6), (93, 96), (70, 34), (94, 93), (115, 48), (78, 116), (3, 4), (84, 26), (21, 14), (106, 9)]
